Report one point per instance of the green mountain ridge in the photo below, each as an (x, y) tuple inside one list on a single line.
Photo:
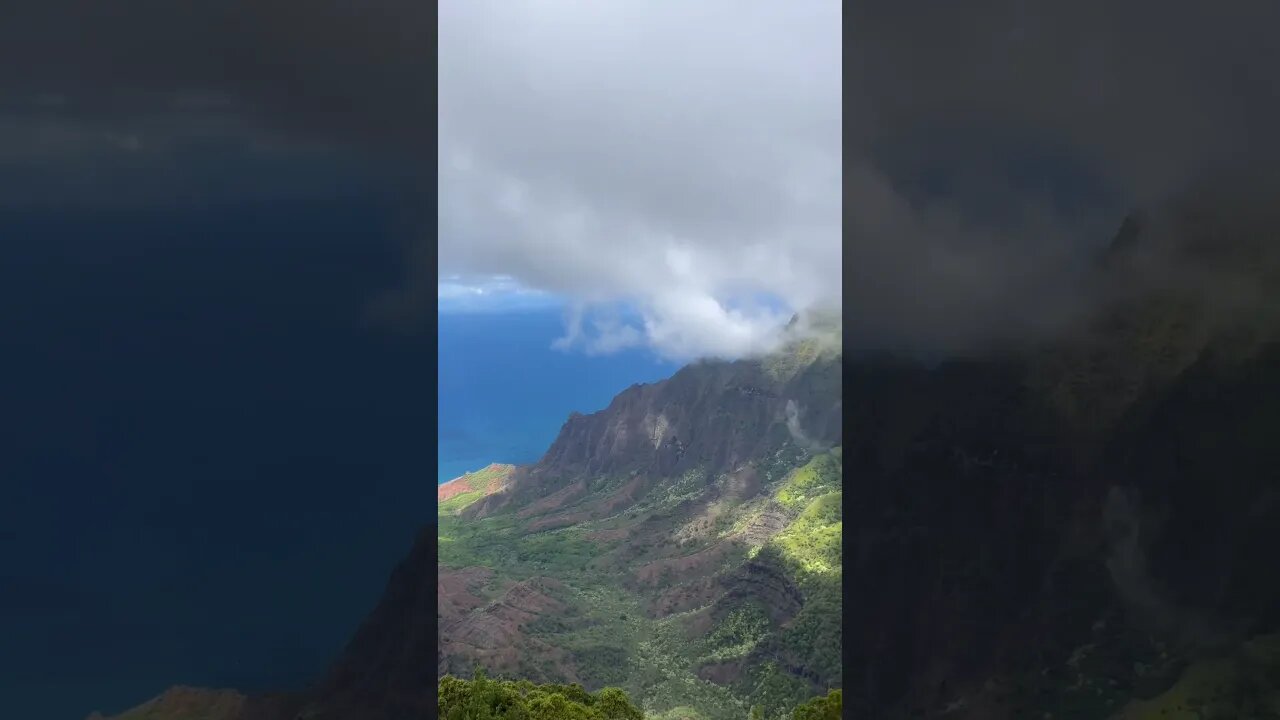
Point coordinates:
[(683, 544)]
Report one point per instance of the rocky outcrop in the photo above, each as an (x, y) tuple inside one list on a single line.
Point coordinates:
[(770, 521)]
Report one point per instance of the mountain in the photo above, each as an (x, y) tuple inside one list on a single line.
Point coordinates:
[(684, 544), (1080, 527)]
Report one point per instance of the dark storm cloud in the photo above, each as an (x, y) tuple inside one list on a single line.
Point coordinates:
[(341, 74), (993, 147)]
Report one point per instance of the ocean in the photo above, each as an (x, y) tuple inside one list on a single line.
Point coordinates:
[(504, 392)]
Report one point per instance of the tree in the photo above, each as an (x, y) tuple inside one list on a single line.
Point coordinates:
[(483, 699), (821, 708), (613, 704)]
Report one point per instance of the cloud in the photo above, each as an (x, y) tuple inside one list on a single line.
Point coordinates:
[(673, 157), (1131, 529), (597, 331), (165, 160), (145, 84), (678, 155), (797, 433), (498, 293), (993, 148), (683, 156)]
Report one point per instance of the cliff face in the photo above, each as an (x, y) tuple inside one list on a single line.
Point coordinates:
[(713, 417), (666, 517)]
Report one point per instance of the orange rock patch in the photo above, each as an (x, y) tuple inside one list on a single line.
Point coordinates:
[(489, 480)]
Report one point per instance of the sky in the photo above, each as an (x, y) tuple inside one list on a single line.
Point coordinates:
[(694, 163), (683, 159), (139, 103), (669, 171)]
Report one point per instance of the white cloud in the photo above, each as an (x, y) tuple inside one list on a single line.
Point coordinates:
[(496, 293), (670, 156)]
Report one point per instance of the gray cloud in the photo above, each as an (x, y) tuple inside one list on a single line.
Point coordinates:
[(993, 147), (686, 156), (89, 81), (680, 157), (797, 433), (676, 154)]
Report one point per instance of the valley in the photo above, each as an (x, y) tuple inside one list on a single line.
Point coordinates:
[(701, 575)]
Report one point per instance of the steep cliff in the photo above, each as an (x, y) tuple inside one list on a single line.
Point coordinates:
[(710, 417)]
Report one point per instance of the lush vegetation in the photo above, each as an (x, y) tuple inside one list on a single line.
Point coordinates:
[(483, 699), (609, 631), (818, 477), (808, 551), (737, 635), (455, 504), (821, 708), (823, 342), (478, 484), (501, 544), (784, 365)]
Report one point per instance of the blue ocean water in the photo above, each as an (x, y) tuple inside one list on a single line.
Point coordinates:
[(504, 392)]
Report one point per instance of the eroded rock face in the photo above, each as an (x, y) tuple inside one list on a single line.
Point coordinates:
[(764, 583), (771, 521), (715, 417), (456, 591), (495, 637)]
